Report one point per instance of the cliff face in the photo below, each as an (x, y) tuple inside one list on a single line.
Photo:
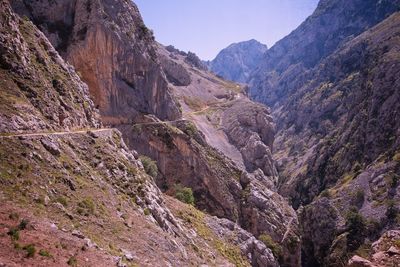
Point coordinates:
[(333, 23), (238, 61), (334, 91), (72, 193), (95, 181), (222, 150), (112, 49), (341, 134), (39, 90)]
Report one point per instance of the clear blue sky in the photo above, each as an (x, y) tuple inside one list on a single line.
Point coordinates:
[(207, 26)]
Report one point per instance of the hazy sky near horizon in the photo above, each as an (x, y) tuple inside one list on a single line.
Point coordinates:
[(207, 26)]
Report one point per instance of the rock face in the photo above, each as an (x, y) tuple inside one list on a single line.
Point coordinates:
[(213, 154), (238, 61), (251, 129), (71, 180), (334, 92), (112, 49), (47, 92), (333, 23)]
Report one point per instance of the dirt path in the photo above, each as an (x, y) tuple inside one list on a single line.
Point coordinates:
[(12, 135), (7, 135)]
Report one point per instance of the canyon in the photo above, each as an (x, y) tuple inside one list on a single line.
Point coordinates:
[(118, 150)]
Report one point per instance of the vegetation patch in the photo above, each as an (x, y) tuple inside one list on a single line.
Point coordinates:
[(30, 250), (72, 261), (86, 207), (184, 194), (272, 245), (150, 166), (44, 253), (196, 219), (356, 227)]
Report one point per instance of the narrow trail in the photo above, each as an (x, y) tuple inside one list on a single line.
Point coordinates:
[(95, 130), (11, 135)]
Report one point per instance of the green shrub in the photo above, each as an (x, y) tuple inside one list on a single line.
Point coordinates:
[(44, 253), (22, 225), (13, 216), (149, 165), (325, 193), (272, 245), (86, 207), (62, 200), (146, 211), (392, 211), (356, 226), (31, 250), (184, 194), (358, 197), (14, 234), (72, 261)]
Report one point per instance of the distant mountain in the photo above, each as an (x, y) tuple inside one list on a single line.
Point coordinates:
[(238, 60), (332, 24)]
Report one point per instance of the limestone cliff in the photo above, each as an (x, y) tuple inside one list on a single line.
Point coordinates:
[(112, 49), (222, 149), (73, 193)]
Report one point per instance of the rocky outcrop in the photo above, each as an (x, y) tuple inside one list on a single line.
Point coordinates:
[(113, 51), (256, 251), (238, 61), (39, 90), (219, 186), (250, 128), (384, 252)]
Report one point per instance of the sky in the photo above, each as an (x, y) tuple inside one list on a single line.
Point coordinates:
[(205, 27)]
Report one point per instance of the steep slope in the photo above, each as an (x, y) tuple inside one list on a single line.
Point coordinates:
[(334, 90), (74, 194), (333, 23), (340, 133), (112, 49), (238, 61), (221, 149)]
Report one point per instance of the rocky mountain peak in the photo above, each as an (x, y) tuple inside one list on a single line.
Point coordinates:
[(238, 60)]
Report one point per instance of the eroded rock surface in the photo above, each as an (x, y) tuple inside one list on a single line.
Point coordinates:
[(112, 49)]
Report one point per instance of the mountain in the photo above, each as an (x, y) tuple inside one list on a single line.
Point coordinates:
[(116, 150), (333, 89), (237, 61), (130, 153), (332, 24)]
